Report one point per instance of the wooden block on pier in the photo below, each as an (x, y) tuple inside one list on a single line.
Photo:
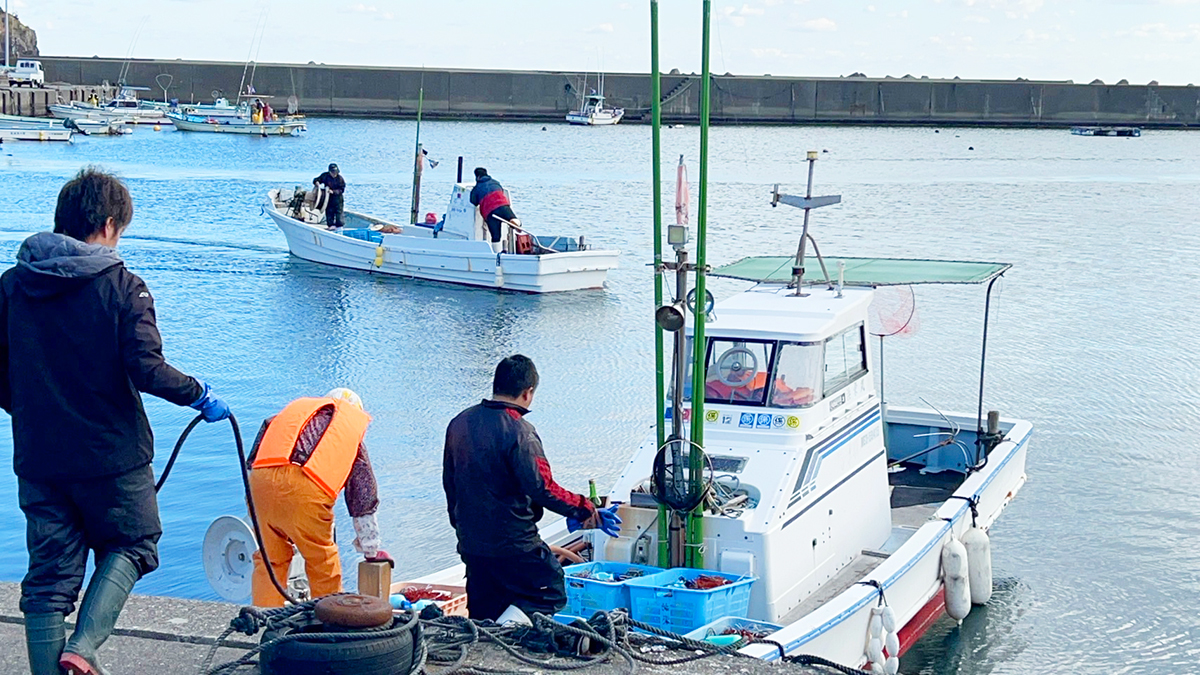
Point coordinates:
[(375, 579)]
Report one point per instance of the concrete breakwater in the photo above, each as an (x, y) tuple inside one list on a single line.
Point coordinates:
[(545, 95), (36, 102)]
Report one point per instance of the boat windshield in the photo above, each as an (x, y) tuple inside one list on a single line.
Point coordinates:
[(737, 371), (799, 370)]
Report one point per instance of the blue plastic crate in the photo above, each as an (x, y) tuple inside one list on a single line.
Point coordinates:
[(724, 623), (656, 602), (585, 597)]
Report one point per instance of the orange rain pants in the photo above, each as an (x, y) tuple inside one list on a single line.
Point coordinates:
[(292, 509)]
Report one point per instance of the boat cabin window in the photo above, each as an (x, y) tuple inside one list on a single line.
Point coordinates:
[(845, 358), (737, 371), (799, 368)]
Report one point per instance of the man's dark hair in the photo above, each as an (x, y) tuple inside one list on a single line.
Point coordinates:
[(480, 172), (87, 202), (514, 375)]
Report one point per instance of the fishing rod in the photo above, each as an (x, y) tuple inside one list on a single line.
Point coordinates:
[(241, 450)]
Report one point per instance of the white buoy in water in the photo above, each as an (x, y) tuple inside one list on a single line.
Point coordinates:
[(954, 578), (979, 564)]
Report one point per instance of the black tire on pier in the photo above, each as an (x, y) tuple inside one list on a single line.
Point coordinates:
[(387, 656)]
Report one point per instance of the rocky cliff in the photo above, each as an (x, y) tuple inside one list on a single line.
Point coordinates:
[(24, 39)]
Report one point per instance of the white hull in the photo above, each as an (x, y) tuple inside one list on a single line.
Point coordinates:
[(833, 621), (418, 255), (225, 126), (128, 116), (604, 118), (34, 134)]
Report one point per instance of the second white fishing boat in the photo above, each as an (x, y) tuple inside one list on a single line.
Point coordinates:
[(457, 249)]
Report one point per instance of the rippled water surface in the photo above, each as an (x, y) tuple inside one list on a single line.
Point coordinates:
[(1095, 334)]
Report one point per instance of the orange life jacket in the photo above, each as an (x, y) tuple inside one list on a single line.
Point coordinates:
[(330, 463)]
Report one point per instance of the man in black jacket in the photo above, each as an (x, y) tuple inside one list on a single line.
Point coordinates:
[(333, 180), (78, 342), (497, 483)]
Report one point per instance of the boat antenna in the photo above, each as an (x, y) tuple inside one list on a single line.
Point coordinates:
[(249, 54), (808, 202), (129, 54), (262, 33), (420, 162)]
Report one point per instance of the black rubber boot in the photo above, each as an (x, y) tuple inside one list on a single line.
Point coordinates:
[(102, 603), (45, 636)]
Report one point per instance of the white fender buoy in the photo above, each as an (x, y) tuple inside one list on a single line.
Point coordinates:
[(889, 620), (892, 644), (875, 651), (979, 564), (891, 666), (954, 578), (875, 629), (877, 669)]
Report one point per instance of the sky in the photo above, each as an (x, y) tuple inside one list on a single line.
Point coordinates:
[(1079, 40)]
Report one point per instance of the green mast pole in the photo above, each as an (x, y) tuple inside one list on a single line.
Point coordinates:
[(660, 389), (416, 198), (695, 524)]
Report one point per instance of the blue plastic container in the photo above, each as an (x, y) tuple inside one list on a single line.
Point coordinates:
[(585, 597), (723, 624), (657, 602)]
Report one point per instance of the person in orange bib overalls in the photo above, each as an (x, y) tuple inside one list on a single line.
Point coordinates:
[(303, 457)]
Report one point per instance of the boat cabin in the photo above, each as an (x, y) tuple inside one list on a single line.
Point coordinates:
[(794, 435)]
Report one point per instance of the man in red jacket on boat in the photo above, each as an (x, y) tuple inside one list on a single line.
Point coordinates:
[(493, 205)]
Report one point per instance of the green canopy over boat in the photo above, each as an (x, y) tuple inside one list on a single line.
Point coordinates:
[(866, 271)]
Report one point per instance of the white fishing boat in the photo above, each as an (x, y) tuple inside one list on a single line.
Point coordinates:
[(220, 107), (34, 134), (849, 515), (124, 107), (285, 126), (456, 250), (17, 128), (594, 112)]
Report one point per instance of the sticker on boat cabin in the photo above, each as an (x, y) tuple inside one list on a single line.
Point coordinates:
[(764, 421), (726, 418), (793, 422), (746, 421), (710, 416), (777, 422)]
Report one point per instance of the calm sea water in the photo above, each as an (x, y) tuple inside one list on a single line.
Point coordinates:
[(1094, 339)]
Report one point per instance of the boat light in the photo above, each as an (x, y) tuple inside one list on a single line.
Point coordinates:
[(670, 317)]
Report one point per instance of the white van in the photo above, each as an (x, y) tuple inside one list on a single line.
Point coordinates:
[(28, 72)]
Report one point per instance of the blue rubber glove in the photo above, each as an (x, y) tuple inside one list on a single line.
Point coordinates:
[(610, 523), (573, 525), (213, 408)]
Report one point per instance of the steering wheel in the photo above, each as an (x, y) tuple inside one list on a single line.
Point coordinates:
[(733, 371)]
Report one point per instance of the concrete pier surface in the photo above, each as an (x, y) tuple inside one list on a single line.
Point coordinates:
[(160, 636), (736, 99)]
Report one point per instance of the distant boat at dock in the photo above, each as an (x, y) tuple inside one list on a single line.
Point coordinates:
[(1107, 131), (286, 126), (593, 112), (124, 107), (14, 128)]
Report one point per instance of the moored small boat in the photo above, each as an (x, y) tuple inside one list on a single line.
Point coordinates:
[(1106, 131), (286, 126), (593, 112)]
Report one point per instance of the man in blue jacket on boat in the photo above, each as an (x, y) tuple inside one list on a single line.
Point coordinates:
[(498, 485), (493, 205), (333, 180)]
